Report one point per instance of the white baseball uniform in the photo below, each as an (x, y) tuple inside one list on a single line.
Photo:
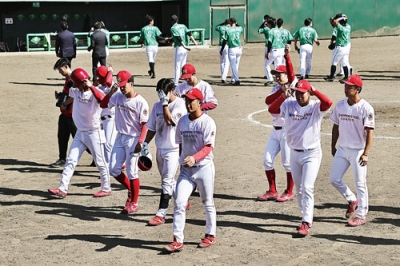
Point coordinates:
[(193, 136), (352, 121), (224, 57), (86, 115), (167, 155), (204, 87)]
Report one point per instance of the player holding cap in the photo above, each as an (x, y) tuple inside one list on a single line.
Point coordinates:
[(303, 125), (131, 115), (209, 102), (196, 138), (354, 123), (162, 124), (86, 115)]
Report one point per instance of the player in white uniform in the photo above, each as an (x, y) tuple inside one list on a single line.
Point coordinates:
[(303, 125), (162, 124), (224, 57), (86, 115), (131, 115), (107, 117), (209, 102), (354, 123), (196, 138), (285, 78)]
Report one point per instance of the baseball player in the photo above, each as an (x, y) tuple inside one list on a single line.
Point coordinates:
[(162, 124), (131, 115), (303, 125), (209, 102), (150, 35), (180, 34), (196, 138), (264, 29), (342, 46), (353, 129), (224, 57), (308, 36), (333, 42), (285, 78), (232, 38), (286, 36), (86, 115)]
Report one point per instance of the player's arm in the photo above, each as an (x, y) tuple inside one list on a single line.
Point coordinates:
[(189, 161), (191, 37), (289, 65), (222, 46), (273, 96), (334, 138), (275, 107), (368, 144), (326, 102), (143, 133), (104, 102), (149, 136)]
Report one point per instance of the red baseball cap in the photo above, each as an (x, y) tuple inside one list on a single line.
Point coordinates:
[(187, 71), (354, 80), (194, 94), (303, 86), (101, 73), (122, 77), (279, 69)]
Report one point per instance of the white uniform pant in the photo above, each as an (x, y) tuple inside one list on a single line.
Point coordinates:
[(277, 143), (344, 158), (180, 56), (110, 133), (151, 52), (234, 59), (224, 62), (167, 164), (123, 151), (276, 56), (306, 52), (341, 54), (93, 140), (189, 178), (305, 166)]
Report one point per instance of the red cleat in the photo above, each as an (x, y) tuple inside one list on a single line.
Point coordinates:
[(351, 209), (268, 196), (57, 192), (102, 193), (156, 220), (207, 241), (175, 246)]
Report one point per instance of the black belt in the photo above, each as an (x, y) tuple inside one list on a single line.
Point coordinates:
[(304, 150), (105, 117), (278, 128)]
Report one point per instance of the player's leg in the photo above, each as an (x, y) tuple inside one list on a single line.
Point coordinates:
[(132, 171), (232, 61), (154, 55), (285, 156), (297, 173), (303, 55), (309, 60), (336, 56), (360, 181), (225, 62), (279, 57), (238, 57), (179, 59), (340, 164), (346, 63), (110, 134)]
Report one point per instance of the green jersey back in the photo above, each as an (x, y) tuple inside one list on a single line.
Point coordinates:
[(286, 36), (266, 32), (179, 30), (221, 29), (149, 34), (275, 37), (232, 36), (306, 34), (343, 35)]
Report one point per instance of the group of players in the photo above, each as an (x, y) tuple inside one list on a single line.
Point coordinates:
[(115, 123)]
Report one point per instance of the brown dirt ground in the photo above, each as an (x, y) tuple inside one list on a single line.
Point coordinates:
[(80, 229)]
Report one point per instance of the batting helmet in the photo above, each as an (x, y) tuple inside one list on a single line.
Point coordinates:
[(145, 160), (78, 75)]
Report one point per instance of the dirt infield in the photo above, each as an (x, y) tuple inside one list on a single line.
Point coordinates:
[(80, 229)]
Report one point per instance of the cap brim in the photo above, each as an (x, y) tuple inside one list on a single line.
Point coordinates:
[(273, 72), (190, 96), (186, 76), (350, 83), (300, 89), (122, 83)]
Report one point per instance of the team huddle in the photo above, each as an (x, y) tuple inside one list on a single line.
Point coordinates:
[(116, 125)]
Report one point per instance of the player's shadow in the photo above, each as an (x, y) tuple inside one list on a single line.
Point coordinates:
[(37, 84), (363, 240)]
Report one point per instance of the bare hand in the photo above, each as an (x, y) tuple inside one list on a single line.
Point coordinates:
[(138, 148), (363, 161), (87, 83), (189, 161)]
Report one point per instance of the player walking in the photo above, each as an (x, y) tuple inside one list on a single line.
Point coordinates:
[(209, 102), (232, 38), (303, 125), (308, 36), (180, 34), (149, 35), (354, 123), (196, 137), (286, 78), (86, 115), (131, 115), (264, 29), (162, 124), (224, 57)]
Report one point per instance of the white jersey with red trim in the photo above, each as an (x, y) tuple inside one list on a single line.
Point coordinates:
[(130, 113), (194, 135), (303, 124), (106, 90), (165, 134), (352, 121), (204, 87), (86, 111), (277, 120)]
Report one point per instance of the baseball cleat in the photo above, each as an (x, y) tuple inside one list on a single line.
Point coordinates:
[(57, 192), (329, 78), (339, 75), (356, 222), (268, 196), (223, 81), (306, 76), (351, 209), (175, 246), (269, 83), (343, 80), (286, 196), (207, 241), (188, 206), (58, 163), (130, 208), (236, 83), (102, 193), (304, 229), (149, 72), (156, 220)]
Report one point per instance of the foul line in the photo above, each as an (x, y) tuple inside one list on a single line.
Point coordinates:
[(250, 118)]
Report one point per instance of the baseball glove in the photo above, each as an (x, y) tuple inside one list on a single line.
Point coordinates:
[(331, 46), (61, 98)]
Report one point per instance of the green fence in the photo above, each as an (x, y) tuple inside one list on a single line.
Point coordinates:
[(118, 40)]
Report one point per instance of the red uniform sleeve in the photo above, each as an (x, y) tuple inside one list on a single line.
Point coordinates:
[(275, 107), (289, 69), (143, 133), (272, 97), (98, 94), (326, 102), (208, 106), (104, 102), (109, 79), (201, 154)]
